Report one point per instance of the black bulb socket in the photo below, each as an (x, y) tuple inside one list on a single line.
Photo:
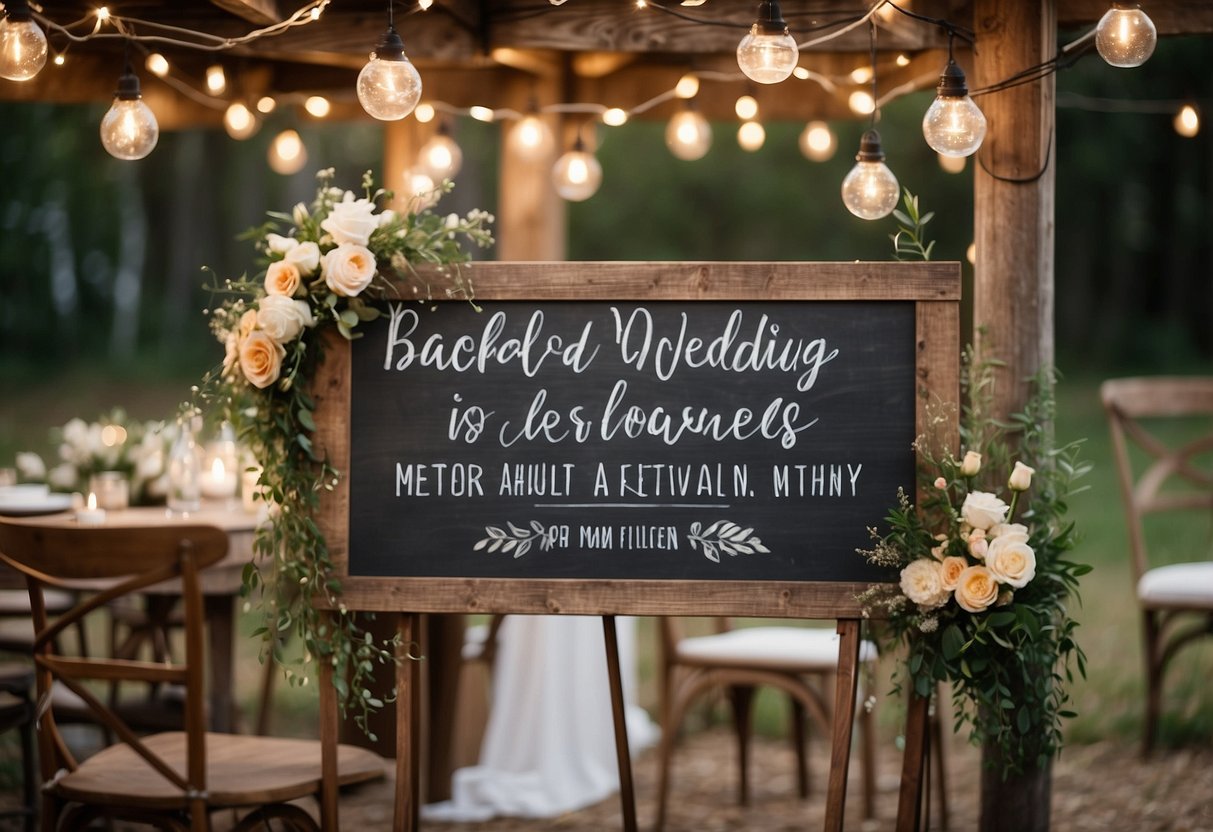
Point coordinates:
[(391, 47), (17, 11), (952, 82), (128, 87), (869, 148), (770, 18)]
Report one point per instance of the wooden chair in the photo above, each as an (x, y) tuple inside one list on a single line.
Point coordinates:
[(797, 660), (1174, 478), (17, 712), (173, 780)]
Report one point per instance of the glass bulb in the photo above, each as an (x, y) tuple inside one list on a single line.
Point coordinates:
[(287, 153), (817, 141), (157, 64), (239, 121), (861, 102), (216, 80), (420, 188), (615, 117), (22, 49), (129, 129), (441, 157), (751, 136), (531, 139), (1187, 121), (870, 190), (688, 135), (767, 57), (577, 175), (1125, 35), (424, 112), (266, 104), (746, 107), (954, 126), (952, 164), (688, 86), (389, 90), (317, 106)]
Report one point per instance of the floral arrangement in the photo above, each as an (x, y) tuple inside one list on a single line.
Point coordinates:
[(321, 266), (112, 443), (984, 584)]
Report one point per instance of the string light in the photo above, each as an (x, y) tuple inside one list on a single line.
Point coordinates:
[(861, 103), (389, 86), (768, 54), (239, 121), (484, 114), (317, 106), (862, 75), (951, 164), (531, 140), (615, 117), (424, 112), (746, 107), (817, 141), (23, 46), (59, 59), (870, 191), (687, 86), (441, 157), (129, 129), (751, 136), (157, 64), (1125, 35), (1187, 121), (420, 188), (266, 104), (903, 60), (287, 154), (688, 135), (953, 125), (577, 174), (216, 80)]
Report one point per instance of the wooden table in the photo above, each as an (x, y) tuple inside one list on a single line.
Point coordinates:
[(220, 586)]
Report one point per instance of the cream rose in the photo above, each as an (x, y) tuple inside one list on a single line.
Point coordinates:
[(231, 354), (279, 244), (248, 322), (949, 572), (1011, 531), (348, 269), (982, 510), (351, 221), (971, 464), (283, 278), (976, 589), (1011, 561), (261, 359), (31, 466), (1021, 477), (305, 257), (282, 318), (978, 543), (920, 581)]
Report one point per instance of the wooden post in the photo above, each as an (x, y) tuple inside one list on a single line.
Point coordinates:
[(1013, 195), (530, 216), (401, 141)]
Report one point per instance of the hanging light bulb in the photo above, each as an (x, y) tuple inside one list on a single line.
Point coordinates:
[(1187, 121), (951, 164), (870, 190), (266, 104), (424, 112), (239, 121), (1125, 36), (615, 117), (688, 135), (953, 125), (287, 154), (751, 136), (129, 129), (216, 80), (389, 86), (768, 54), (817, 141), (746, 107), (157, 64), (22, 43), (441, 156), (485, 114), (687, 86), (420, 188), (861, 103), (530, 140), (577, 174), (317, 106)]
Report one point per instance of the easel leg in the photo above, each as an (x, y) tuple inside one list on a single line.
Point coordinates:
[(627, 794), (913, 761), (408, 742), (328, 744), (847, 684)]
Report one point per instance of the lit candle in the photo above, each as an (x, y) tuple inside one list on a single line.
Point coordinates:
[(220, 481), (91, 516)]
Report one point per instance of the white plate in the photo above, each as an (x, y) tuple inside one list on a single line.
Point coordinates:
[(28, 506)]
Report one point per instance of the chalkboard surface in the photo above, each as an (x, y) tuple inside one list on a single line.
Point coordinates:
[(598, 439)]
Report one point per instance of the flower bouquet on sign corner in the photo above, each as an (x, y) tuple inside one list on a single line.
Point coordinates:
[(982, 600)]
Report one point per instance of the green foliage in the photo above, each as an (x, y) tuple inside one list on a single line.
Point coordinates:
[(910, 243), (1011, 655), (263, 388)]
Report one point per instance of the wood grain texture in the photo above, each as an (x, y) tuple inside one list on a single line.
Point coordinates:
[(913, 764), (845, 687), (331, 391)]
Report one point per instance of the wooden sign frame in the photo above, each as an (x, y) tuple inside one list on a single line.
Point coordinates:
[(934, 289)]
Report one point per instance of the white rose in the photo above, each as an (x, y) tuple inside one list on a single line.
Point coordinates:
[(351, 221), (62, 476), (282, 318), (982, 510), (387, 217), (976, 589), (279, 244), (1017, 532), (75, 432), (31, 466), (305, 256), (348, 269), (920, 581), (1021, 477), (1011, 562), (971, 464)]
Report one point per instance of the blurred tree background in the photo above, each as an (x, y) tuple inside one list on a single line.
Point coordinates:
[(101, 260)]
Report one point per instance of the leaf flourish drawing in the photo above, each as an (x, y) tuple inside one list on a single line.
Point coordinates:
[(724, 536), (517, 540)]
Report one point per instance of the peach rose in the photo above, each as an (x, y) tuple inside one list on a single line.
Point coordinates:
[(976, 589), (248, 322), (920, 581), (283, 278), (1011, 561), (261, 359), (282, 318), (949, 572), (348, 269)]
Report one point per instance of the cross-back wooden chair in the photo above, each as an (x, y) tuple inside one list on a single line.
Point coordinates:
[(1177, 477), (800, 661), (174, 780)]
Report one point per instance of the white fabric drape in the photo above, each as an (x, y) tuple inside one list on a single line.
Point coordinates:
[(549, 746)]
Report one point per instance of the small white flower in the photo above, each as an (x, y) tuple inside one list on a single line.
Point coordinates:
[(971, 464), (279, 244), (1021, 477), (299, 213), (31, 466)]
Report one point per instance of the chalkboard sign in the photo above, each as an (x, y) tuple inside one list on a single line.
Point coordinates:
[(632, 438), (600, 439)]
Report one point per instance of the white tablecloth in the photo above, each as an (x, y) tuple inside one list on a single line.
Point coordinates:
[(549, 746)]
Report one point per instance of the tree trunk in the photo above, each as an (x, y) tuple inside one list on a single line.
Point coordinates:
[(1016, 803)]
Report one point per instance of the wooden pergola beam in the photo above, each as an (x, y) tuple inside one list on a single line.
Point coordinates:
[(260, 12)]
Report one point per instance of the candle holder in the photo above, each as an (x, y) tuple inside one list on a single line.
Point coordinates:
[(185, 468), (112, 489), (221, 478)]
